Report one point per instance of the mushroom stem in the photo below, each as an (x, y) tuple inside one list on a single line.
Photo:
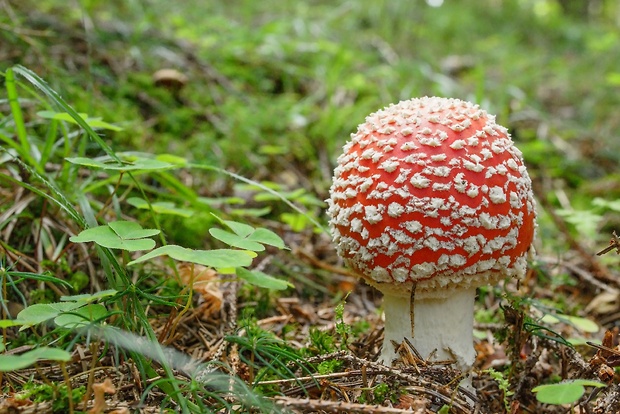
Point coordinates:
[(441, 325)]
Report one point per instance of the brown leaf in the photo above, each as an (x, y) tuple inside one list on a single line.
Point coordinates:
[(12, 404), (100, 389), (413, 403), (604, 303)]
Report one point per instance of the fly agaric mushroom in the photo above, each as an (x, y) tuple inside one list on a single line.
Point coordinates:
[(431, 200)]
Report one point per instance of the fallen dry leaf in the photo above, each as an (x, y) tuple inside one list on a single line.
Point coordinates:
[(12, 404), (604, 303), (414, 403), (100, 389)]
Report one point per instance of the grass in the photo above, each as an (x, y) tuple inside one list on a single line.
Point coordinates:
[(229, 169), (128, 297)]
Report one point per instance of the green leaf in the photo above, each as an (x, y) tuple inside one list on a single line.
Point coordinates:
[(131, 230), (611, 205), (92, 163), (273, 149), (578, 341), (82, 316), (245, 236), (125, 235), (566, 392), (161, 207), (586, 222), (106, 237), (250, 212), (133, 164), (172, 159), (235, 240), (8, 323), (87, 297), (613, 79), (41, 312), (219, 201), (583, 324), (296, 221), (219, 258), (15, 362), (300, 196), (98, 123), (92, 122), (263, 280), (267, 236), (240, 229)]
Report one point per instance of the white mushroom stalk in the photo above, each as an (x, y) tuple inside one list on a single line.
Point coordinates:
[(432, 193), (441, 330)]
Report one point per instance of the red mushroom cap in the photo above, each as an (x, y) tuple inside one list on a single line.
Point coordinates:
[(432, 192)]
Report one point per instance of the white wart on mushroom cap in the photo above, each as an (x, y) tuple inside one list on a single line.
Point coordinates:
[(432, 192)]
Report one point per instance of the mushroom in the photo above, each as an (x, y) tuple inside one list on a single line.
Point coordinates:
[(430, 200), (169, 77)]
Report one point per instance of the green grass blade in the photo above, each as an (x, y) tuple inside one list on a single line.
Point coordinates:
[(50, 136), (264, 188), (20, 127), (38, 82), (57, 197)]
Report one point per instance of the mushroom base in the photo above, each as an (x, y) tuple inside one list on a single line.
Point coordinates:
[(442, 329)]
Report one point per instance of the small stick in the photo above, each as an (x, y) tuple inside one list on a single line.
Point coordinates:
[(307, 405), (604, 348), (317, 377), (613, 244)]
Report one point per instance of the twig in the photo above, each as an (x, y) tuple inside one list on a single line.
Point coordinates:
[(412, 379), (417, 383), (317, 377), (574, 358), (581, 273), (610, 402), (312, 405), (320, 358), (325, 266), (613, 244)]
